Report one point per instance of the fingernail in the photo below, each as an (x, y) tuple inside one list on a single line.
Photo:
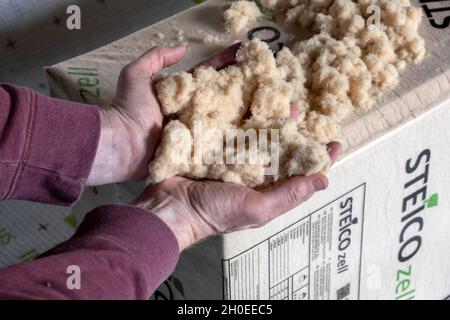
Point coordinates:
[(294, 112), (319, 185)]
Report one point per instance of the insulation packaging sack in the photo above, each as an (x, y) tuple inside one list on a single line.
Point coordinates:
[(381, 230)]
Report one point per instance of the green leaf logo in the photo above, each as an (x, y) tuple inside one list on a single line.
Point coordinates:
[(71, 221), (432, 201)]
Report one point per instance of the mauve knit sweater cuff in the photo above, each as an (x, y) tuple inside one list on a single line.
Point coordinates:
[(122, 252), (137, 228), (54, 148), (147, 243)]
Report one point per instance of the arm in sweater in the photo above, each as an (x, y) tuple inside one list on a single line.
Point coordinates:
[(122, 251), (47, 150)]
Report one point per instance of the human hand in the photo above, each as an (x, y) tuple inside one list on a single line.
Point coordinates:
[(131, 126), (195, 210)]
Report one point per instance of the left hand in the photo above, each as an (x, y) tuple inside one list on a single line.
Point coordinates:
[(131, 126)]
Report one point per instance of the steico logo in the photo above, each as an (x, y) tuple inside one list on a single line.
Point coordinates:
[(412, 221), (438, 14)]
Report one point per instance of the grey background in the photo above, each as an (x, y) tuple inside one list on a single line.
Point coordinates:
[(33, 33)]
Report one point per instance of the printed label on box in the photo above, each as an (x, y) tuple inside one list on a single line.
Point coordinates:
[(318, 257)]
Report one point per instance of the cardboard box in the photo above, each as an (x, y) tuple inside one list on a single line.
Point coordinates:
[(381, 231)]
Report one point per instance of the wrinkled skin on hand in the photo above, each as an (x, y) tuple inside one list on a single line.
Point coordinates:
[(195, 210)]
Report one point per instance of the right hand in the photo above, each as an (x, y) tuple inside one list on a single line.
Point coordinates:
[(195, 210)]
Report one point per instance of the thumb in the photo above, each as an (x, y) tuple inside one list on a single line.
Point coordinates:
[(156, 59), (291, 193)]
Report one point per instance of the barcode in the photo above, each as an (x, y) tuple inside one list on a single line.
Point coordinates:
[(343, 292)]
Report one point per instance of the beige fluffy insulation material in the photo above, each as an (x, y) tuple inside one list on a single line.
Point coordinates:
[(344, 66), (241, 16)]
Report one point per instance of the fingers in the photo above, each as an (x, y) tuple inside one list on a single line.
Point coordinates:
[(221, 60), (334, 150), (295, 112), (156, 59), (291, 193)]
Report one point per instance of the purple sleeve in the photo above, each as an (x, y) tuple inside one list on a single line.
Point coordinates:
[(47, 147), (122, 252)]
